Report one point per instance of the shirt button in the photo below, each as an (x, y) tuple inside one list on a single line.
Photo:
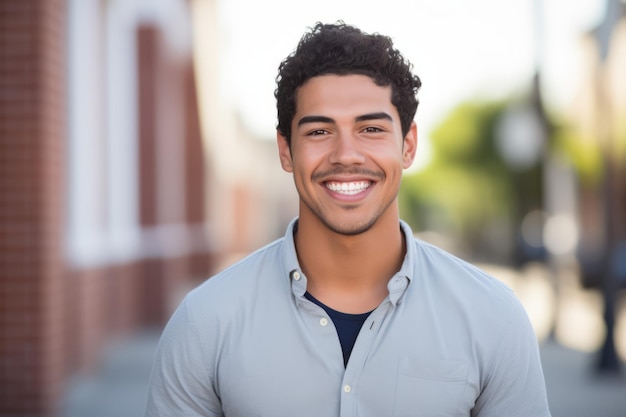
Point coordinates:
[(324, 321), (347, 389), (296, 276)]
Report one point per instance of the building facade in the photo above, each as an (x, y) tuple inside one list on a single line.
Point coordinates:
[(103, 194)]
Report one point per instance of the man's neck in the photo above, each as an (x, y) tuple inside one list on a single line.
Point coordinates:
[(349, 273)]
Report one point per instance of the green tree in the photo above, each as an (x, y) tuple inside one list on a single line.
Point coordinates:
[(466, 192)]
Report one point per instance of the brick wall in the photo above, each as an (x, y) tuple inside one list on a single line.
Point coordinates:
[(56, 318), (32, 161), (169, 119)]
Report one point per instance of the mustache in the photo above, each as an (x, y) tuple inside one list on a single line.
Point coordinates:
[(322, 175)]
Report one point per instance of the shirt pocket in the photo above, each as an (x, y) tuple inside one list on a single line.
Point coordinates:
[(430, 388)]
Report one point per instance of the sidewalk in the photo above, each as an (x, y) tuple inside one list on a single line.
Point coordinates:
[(575, 389), (119, 389)]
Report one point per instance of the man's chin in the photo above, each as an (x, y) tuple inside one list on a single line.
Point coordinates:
[(350, 229)]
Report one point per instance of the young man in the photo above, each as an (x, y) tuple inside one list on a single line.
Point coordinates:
[(348, 314)]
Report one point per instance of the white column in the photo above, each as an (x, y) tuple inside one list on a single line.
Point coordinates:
[(122, 133), (86, 217)]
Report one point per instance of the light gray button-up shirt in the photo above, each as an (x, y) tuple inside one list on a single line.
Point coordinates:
[(448, 340)]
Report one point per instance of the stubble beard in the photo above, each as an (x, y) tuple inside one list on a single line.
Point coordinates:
[(347, 229)]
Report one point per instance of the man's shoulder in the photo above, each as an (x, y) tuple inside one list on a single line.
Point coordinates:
[(240, 279), (450, 274)]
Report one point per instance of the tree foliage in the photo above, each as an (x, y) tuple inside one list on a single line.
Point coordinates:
[(467, 190)]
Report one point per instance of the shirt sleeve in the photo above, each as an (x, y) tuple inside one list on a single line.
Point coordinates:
[(181, 383), (514, 384)]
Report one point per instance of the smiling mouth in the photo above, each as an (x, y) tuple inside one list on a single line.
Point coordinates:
[(348, 188)]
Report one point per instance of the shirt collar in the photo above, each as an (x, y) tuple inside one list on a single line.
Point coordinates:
[(290, 259), (397, 285)]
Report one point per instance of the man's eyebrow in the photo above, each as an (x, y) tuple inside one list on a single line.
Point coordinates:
[(361, 118), (315, 119), (374, 116)]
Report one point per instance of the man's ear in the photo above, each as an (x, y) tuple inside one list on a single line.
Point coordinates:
[(409, 147), (284, 152)]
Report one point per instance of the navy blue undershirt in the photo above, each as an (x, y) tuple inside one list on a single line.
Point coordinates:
[(347, 325)]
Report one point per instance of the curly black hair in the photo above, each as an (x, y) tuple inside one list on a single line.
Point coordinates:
[(342, 49)]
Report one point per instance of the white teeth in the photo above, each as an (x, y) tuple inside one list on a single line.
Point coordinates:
[(348, 188)]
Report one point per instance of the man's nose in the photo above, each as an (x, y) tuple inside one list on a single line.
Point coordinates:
[(347, 149)]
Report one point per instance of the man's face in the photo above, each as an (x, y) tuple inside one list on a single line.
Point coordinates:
[(347, 152)]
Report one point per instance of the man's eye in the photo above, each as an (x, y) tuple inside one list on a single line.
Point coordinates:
[(317, 132), (372, 129)]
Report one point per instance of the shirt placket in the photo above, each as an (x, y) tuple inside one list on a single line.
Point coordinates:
[(325, 333), (356, 364), (320, 325)]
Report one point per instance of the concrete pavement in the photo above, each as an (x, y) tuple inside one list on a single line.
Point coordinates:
[(119, 387), (575, 389)]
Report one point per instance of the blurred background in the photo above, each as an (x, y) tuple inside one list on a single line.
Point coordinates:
[(138, 158)]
